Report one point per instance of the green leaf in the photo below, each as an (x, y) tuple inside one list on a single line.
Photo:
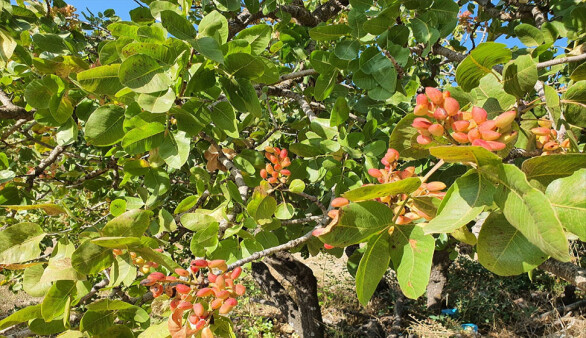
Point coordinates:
[(31, 281), (175, 149), (412, 253), (503, 250), (529, 211), (90, 259), (7, 46), (224, 117), (480, 62), (403, 139), (574, 100), (520, 76), (568, 197), (21, 316), (305, 150), (244, 65), (156, 331), (242, 95), (54, 303), (209, 48), (67, 133), (157, 182), (545, 169), (258, 36), (37, 92), (329, 32), (373, 191), (105, 126), (20, 243), (96, 322), (61, 108), (465, 154), (284, 211), (347, 49), (296, 186), (464, 201), (529, 35), (177, 25), (143, 74), (372, 267), (51, 43), (324, 85), (215, 26), (357, 222), (132, 223), (265, 210), (159, 102), (101, 80), (143, 138), (117, 207), (340, 112)]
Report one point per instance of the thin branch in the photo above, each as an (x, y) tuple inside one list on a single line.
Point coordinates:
[(53, 156), (13, 128), (299, 74), (567, 59), (301, 220)]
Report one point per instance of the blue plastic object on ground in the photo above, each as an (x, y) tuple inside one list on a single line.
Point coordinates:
[(450, 312), (470, 327)]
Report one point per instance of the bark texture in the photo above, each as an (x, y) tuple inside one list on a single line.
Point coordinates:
[(302, 309), (437, 280), (572, 273)]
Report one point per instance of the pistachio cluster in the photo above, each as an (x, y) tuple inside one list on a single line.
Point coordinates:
[(546, 138), (275, 171), (457, 126), (204, 290)]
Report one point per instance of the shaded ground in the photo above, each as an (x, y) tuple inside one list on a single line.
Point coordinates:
[(499, 306)]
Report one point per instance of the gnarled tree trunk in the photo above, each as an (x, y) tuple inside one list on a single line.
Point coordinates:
[(302, 310)]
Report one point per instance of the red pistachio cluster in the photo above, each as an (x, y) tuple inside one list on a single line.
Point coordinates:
[(457, 126), (546, 138), (275, 171), (143, 265), (404, 209), (201, 295)]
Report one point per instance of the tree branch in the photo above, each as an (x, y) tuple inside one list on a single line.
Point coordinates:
[(9, 110), (572, 273), (53, 156), (567, 59)]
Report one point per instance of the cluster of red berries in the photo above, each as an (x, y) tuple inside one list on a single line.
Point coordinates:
[(275, 171), (203, 295), (404, 213), (143, 265), (460, 127), (546, 138)]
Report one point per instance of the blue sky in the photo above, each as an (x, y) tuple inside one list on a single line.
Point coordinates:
[(122, 7)]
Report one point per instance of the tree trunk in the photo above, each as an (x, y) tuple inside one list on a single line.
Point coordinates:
[(437, 280), (302, 311)]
